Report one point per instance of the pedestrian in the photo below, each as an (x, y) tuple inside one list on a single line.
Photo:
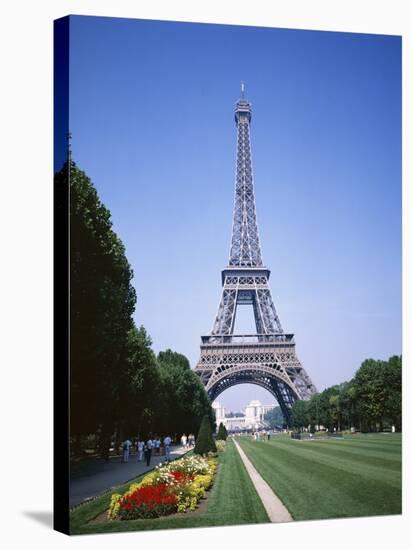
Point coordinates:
[(268, 436), (183, 440), (167, 441), (126, 449), (148, 450), (140, 448), (157, 446)]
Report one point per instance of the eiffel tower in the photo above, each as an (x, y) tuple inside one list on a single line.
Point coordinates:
[(266, 358)]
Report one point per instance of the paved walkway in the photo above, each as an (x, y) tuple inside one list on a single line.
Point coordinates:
[(275, 509), (95, 476)]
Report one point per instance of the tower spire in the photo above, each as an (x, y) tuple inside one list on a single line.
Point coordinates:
[(242, 90), (245, 247)]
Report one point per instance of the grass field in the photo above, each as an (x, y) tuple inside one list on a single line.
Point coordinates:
[(359, 475), (232, 501)]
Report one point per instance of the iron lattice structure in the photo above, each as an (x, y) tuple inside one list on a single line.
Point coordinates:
[(268, 357)]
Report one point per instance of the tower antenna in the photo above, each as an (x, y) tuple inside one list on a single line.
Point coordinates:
[(242, 90)]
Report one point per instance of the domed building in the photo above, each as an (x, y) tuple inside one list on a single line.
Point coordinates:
[(252, 419)]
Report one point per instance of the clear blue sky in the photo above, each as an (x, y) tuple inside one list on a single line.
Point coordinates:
[(152, 120)]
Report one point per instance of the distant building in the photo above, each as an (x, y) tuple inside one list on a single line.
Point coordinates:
[(219, 412), (253, 417)]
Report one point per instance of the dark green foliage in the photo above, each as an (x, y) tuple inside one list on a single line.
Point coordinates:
[(275, 418), (102, 301), (377, 391), (371, 401), (222, 432), (140, 383), (299, 414), (181, 400), (205, 442)]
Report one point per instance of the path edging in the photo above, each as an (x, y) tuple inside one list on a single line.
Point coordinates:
[(275, 509)]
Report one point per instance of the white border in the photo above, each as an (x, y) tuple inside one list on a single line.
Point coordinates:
[(26, 274)]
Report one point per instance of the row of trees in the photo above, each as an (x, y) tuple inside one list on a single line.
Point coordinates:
[(118, 386), (371, 401), (274, 418)]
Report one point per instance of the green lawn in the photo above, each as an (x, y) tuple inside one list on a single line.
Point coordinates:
[(359, 475), (232, 501)]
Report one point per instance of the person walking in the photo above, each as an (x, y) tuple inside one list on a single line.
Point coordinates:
[(126, 449), (148, 451), (167, 441), (140, 448), (183, 440), (157, 446)]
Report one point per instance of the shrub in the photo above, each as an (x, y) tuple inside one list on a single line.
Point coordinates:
[(205, 442), (221, 433), (220, 445)]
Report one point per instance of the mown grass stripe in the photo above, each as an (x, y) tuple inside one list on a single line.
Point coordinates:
[(314, 482), (388, 471)]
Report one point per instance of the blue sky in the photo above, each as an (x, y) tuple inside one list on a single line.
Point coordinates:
[(151, 114)]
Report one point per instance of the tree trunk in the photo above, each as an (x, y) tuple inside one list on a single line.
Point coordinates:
[(77, 445), (104, 444)]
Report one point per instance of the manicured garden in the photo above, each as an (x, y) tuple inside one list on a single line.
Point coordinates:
[(359, 475), (189, 492), (169, 488)]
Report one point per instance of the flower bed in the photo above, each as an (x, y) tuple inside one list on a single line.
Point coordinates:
[(170, 488), (220, 445)]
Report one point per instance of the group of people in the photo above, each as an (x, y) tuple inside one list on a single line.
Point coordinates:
[(258, 435), (145, 449), (187, 441)]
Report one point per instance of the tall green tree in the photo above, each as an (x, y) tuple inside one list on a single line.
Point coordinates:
[(204, 441), (392, 374), (140, 384), (378, 392), (221, 432), (102, 301), (300, 414), (182, 399), (275, 418)]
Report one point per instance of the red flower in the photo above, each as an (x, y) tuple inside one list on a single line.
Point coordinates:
[(151, 496), (182, 477)]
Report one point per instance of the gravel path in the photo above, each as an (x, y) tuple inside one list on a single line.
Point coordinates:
[(275, 509)]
